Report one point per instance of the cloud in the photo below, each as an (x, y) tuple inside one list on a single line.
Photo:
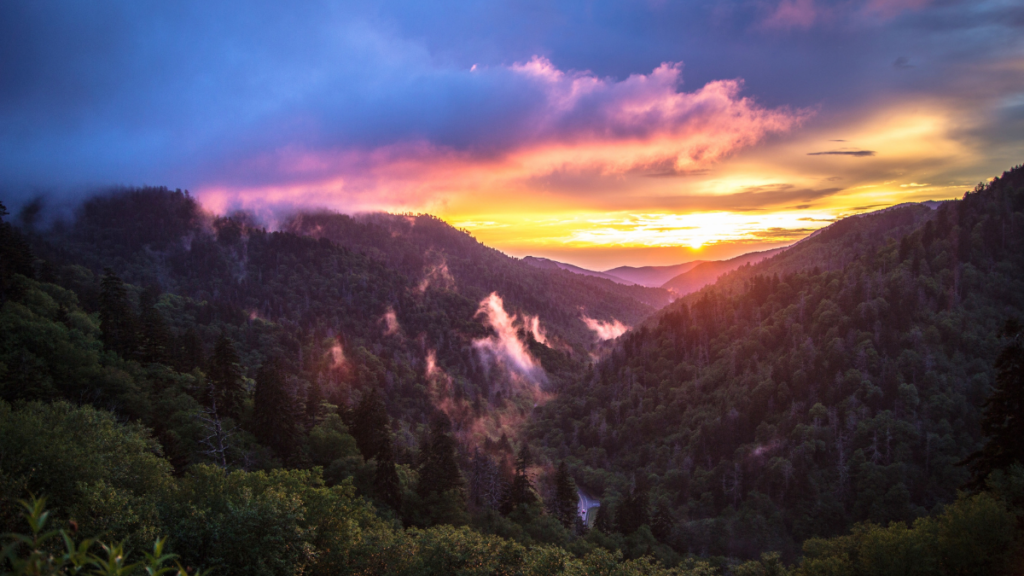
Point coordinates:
[(504, 346), (532, 325), (858, 153), (390, 321), (605, 330), (545, 121), (436, 274), (792, 14), (337, 356), (902, 63)]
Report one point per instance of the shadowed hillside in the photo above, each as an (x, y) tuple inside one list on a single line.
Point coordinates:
[(839, 381)]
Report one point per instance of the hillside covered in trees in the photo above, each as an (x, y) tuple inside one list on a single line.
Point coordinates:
[(841, 381), (385, 395)]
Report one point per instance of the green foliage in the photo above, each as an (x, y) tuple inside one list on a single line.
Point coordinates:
[(278, 522), (275, 417), (974, 535), (563, 505), (91, 468), (1003, 421), (227, 388), (55, 552), (840, 381)]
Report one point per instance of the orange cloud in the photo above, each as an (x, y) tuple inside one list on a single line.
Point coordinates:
[(584, 125)]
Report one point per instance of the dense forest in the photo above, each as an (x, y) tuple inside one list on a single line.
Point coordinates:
[(384, 395), (841, 381)]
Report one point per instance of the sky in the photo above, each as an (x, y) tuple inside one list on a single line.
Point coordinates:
[(599, 133)]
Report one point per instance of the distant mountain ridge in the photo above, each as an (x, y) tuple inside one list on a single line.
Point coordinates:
[(680, 279), (652, 276), (549, 264), (708, 272)]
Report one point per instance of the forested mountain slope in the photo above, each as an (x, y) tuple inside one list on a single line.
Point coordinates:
[(840, 381), (428, 250), (705, 273), (410, 317), (652, 275)]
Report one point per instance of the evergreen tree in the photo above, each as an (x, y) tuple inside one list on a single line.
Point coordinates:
[(117, 321), (155, 335), (520, 490), (15, 255), (662, 524), (314, 397), (440, 471), (385, 480), (566, 497), (633, 510), (485, 483), (605, 520), (189, 351), (273, 412), (370, 424), (226, 381), (1003, 412)]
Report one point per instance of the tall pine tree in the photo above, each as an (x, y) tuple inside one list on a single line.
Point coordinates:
[(385, 479), (155, 336), (566, 499), (226, 381), (520, 490), (274, 416), (440, 470), (1003, 419), (117, 321), (370, 424), (15, 256)]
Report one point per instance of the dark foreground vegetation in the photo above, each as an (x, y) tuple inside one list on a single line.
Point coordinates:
[(275, 403)]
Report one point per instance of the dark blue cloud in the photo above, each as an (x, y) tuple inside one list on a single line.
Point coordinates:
[(179, 92)]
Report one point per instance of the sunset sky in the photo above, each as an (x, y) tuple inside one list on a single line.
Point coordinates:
[(598, 133)]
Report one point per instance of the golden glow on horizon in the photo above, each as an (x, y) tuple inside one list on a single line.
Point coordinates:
[(584, 201)]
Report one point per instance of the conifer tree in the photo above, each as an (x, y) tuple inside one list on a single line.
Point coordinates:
[(117, 321), (605, 520), (566, 497), (314, 397), (370, 424), (385, 480), (155, 334), (189, 351), (661, 524), (1003, 412), (15, 255), (520, 490), (633, 510), (225, 375), (274, 414), (440, 470)]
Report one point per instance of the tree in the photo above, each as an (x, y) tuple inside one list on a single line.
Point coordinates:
[(225, 375), (566, 497), (662, 523), (633, 511), (314, 397), (605, 520), (189, 351), (15, 255), (370, 424), (117, 321), (1003, 412), (520, 491), (386, 485), (155, 335), (440, 470), (274, 412)]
